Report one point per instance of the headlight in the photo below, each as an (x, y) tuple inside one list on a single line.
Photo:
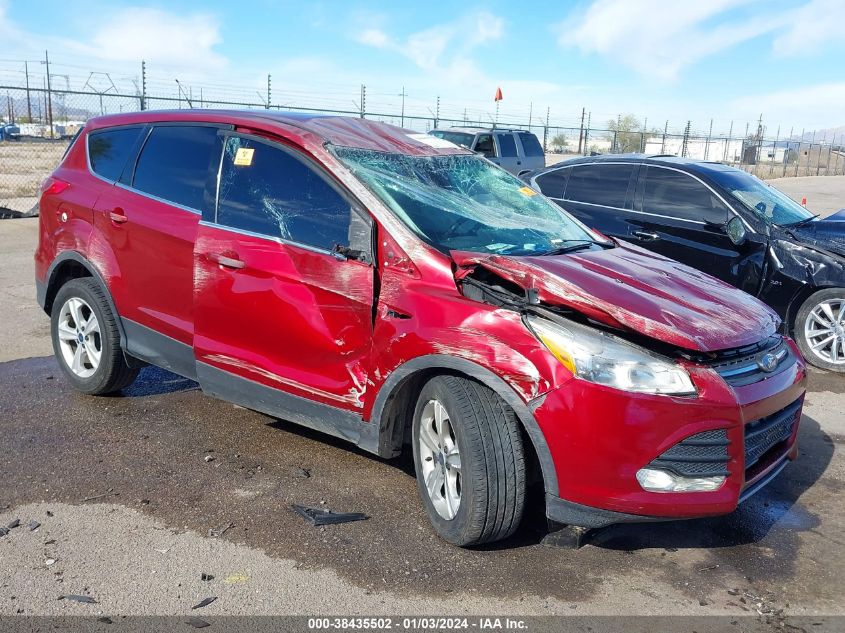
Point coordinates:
[(607, 360)]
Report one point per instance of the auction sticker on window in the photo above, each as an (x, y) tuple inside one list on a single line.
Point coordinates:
[(243, 157), (527, 191)]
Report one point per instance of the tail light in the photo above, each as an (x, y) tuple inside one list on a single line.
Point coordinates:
[(52, 186)]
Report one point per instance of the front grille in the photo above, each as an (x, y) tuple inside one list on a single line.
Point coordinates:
[(743, 365), (700, 455), (766, 433)]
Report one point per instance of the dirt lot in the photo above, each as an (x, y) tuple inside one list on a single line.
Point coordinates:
[(23, 166), (138, 495)]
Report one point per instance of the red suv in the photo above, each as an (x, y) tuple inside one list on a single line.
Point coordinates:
[(391, 288)]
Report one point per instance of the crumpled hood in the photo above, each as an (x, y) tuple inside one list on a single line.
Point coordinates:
[(828, 233), (631, 288)]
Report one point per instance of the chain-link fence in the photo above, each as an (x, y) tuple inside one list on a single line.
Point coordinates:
[(36, 125)]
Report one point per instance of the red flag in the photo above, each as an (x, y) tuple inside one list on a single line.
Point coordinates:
[(498, 96)]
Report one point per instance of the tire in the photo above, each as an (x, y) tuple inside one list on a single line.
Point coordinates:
[(85, 298), (813, 326), (490, 478)]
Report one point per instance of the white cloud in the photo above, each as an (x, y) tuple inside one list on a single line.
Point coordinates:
[(659, 39), (812, 27), (157, 36), (444, 48), (791, 105)]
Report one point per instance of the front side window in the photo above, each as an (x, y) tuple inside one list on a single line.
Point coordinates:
[(605, 185), (269, 191), (507, 145), (174, 163), (530, 145), (767, 202), (462, 202), (679, 195), (109, 150)]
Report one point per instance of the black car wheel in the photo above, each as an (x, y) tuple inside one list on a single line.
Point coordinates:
[(820, 329), (86, 340), (469, 461)]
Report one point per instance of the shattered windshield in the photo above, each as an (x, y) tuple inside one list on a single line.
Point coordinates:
[(769, 203), (463, 202)]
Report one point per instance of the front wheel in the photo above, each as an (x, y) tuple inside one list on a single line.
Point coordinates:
[(469, 461), (820, 329)]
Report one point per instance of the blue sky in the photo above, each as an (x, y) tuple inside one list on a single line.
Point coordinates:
[(676, 60)]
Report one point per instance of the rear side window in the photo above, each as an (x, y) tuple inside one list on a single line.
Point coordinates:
[(109, 150), (174, 163), (552, 183), (484, 144), (458, 138), (606, 185), (267, 190), (530, 144), (678, 195), (507, 145)]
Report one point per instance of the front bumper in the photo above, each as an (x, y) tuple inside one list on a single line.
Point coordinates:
[(599, 438)]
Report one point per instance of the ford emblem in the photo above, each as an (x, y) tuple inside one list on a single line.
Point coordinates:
[(768, 362)]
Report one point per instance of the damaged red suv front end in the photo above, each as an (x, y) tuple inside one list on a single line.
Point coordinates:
[(392, 289)]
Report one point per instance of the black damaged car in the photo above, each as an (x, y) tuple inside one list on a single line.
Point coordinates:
[(724, 222)]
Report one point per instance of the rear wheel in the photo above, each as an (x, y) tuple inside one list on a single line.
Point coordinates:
[(820, 329), (86, 340), (469, 461)]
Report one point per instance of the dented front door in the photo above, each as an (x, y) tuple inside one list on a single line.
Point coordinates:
[(272, 303)]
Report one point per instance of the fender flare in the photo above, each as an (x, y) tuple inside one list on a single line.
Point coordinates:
[(77, 257), (523, 410)]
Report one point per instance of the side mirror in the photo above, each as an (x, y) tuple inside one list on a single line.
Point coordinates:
[(736, 231)]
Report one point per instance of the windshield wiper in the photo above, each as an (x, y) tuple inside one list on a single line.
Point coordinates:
[(802, 222), (579, 244)]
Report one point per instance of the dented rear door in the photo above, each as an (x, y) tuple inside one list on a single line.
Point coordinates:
[(273, 304)]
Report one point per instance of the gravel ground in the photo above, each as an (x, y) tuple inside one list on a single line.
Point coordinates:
[(129, 506)]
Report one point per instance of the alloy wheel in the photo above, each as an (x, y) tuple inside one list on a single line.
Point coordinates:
[(824, 331), (440, 459), (80, 341)]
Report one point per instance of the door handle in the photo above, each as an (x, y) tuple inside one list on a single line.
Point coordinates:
[(117, 216), (227, 262), (646, 236)]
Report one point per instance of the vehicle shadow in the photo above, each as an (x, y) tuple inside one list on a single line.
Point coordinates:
[(154, 381), (775, 504)]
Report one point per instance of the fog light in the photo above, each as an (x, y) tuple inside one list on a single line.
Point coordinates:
[(655, 480)]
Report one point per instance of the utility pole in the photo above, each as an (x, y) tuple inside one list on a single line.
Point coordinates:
[(642, 136), (363, 100), (665, 131), (774, 152), (587, 132), (545, 129), (787, 151), (581, 133), (28, 102), (49, 96), (707, 142), (530, 113), (143, 85), (727, 142), (403, 95), (268, 91), (685, 144)]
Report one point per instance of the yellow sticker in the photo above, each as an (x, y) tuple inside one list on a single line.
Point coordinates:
[(243, 156), (527, 191)]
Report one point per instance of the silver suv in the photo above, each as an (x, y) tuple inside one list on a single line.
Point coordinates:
[(518, 151)]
